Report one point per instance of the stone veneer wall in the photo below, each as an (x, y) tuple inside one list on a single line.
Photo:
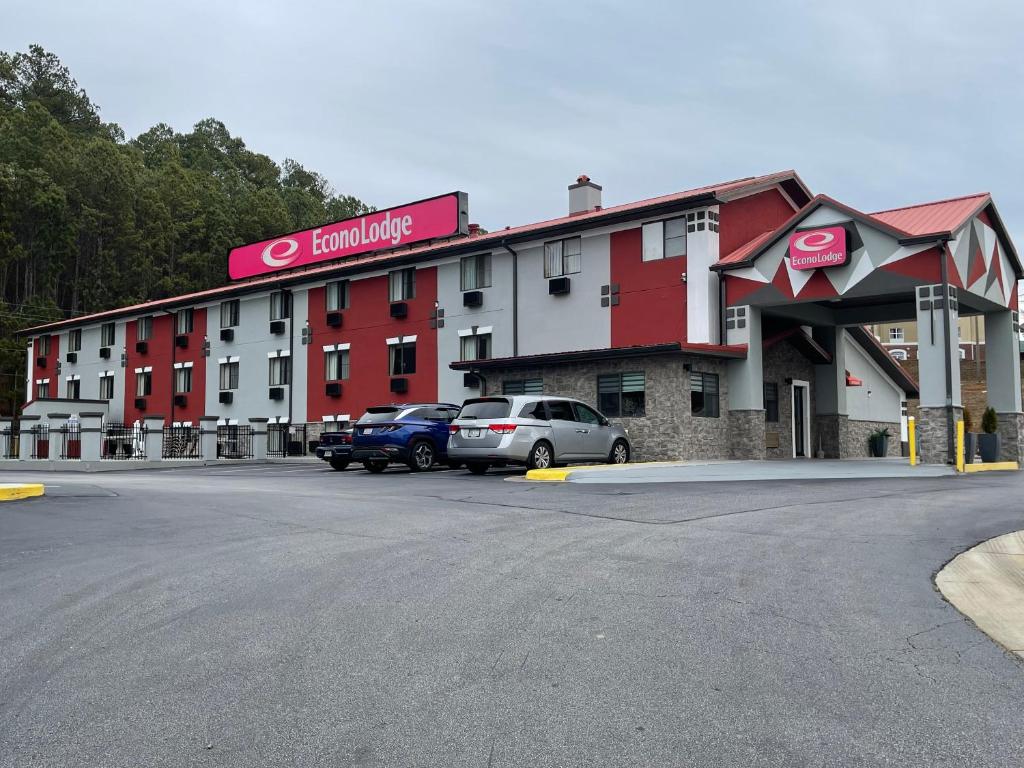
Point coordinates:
[(669, 430), (1011, 428), (784, 361), (746, 435), (932, 433), (855, 436)]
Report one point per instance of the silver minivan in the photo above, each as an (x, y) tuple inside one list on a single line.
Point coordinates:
[(539, 431)]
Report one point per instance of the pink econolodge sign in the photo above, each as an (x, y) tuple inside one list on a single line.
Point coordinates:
[(425, 220), (816, 248)]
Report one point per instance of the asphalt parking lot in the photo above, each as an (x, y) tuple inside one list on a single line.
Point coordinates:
[(289, 615)]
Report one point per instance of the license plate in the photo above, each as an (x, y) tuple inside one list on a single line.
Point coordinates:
[(328, 454), (473, 432), (367, 430)]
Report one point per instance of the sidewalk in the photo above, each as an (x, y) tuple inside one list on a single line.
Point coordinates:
[(725, 471), (987, 585)]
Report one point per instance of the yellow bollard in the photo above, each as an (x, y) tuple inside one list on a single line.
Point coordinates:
[(960, 446), (912, 439)]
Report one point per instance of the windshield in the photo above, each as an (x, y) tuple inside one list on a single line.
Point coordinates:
[(495, 408)]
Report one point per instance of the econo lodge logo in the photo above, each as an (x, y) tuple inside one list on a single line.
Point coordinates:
[(818, 248), (276, 256)]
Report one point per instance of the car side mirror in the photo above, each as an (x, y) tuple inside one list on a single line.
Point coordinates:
[(605, 422)]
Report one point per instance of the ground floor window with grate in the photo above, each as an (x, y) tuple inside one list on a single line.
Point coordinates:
[(771, 402), (523, 387), (704, 394)]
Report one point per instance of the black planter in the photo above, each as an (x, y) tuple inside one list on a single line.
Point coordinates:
[(878, 445), (970, 447), (990, 446)]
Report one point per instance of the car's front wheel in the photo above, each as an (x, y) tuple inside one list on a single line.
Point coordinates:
[(422, 456), (339, 465), (619, 453), (540, 456), (376, 466)]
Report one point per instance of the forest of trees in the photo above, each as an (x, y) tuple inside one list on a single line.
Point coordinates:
[(91, 220)]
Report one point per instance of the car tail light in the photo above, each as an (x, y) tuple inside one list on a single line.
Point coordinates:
[(502, 429), (346, 438), (454, 428)]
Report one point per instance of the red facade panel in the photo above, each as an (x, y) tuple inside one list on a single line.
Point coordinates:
[(161, 355), (367, 325), (48, 370), (740, 221), (652, 295)]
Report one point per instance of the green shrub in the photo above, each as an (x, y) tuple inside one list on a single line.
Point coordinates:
[(968, 421), (989, 422)]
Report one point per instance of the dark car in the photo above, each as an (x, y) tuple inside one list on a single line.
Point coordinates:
[(336, 448), (414, 434)]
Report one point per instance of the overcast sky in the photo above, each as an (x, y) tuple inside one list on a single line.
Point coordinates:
[(876, 103)]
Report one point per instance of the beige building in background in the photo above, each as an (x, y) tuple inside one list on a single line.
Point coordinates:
[(901, 338)]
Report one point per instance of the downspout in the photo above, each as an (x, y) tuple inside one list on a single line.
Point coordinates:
[(947, 353), (515, 298)]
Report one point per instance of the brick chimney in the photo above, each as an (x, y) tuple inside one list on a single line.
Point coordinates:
[(584, 196)]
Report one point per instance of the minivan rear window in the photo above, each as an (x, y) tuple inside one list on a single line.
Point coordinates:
[(491, 408)]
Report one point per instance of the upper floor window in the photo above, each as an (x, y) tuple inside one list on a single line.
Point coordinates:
[(896, 334), (664, 239), (563, 257), (704, 394), (336, 364), (771, 402), (107, 335), (144, 328), (229, 313), (475, 272), (229, 375), (182, 380), (402, 284), (107, 386), (337, 295), (143, 383), (476, 347), (622, 394), (280, 371), (42, 346), (184, 320), (523, 387), (402, 358), (280, 305), (75, 340)]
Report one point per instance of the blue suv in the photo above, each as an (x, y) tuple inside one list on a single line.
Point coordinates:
[(414, 434)]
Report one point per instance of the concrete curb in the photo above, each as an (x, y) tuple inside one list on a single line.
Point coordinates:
[(15, 491), (565, 474), (986, 584)]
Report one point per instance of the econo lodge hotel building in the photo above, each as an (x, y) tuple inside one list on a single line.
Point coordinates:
[(723, 321)]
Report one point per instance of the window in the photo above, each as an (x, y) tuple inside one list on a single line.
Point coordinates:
[(107, 386), (143, 383), (43, 388), (107, 335), (486, 408), (586, 414), (622, 394), (704, 394), (229, 313), (144, 328), (337, 295), (963, 353), (74, 341), (43, 344), (899, 354), (895, 334), (561, 410), (402, 284), (74, 388), (183, 320), (476, 272), (771, 402), (280, 305), (336, 364), (229, 375), (523, 387), (280, 371), (534, 410), (182, 381), (403, 358), (664, 239), (563, 257), (476, 347)]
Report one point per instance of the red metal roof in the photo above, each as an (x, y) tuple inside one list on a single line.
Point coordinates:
[(382, 258), (939, 216)]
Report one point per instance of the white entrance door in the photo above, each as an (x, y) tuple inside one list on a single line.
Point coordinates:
[(801, 419)]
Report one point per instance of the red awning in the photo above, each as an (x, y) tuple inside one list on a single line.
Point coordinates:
[(853, 381)]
